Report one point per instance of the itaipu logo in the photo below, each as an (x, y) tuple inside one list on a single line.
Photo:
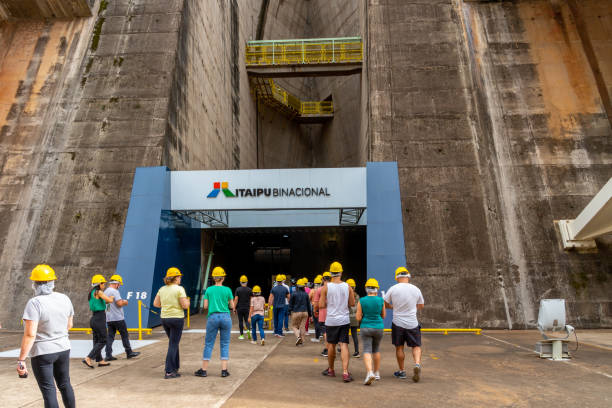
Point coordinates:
[(267, 192)]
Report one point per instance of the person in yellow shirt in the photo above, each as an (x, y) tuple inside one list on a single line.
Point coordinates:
[(173, 301)]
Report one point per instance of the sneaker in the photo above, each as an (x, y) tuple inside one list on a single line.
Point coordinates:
[(369, 378), (329, 372), (324, 353), (356, 354), (225, 373), (200, 373), (253, 342), (249, 335), (263, 342), (377, 376), (241, 337), (132, 354), (111, 358), (416, 376), (299, 341), (315, 340), (168, 376), (347, 377), (103, 364), (400, 374)]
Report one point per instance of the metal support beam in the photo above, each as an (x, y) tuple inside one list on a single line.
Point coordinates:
[(212, 218), (350, 216), (595, 220)]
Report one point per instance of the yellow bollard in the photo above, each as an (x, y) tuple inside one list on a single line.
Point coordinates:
[(140, 320), (188, 314)]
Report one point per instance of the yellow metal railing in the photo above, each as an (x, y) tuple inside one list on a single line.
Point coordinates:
[(277, 97), (305, 51)]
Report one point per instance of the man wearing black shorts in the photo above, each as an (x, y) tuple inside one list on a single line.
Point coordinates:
[(337, 297), (405, 299)]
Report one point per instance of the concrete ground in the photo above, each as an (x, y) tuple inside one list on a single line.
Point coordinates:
[(495, 369)]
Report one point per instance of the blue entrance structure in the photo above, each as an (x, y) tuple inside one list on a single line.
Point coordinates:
[(158, 234)]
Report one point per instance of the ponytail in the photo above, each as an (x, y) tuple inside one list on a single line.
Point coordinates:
[(95, 288)]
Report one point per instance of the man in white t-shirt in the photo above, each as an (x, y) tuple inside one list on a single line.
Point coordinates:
[(405, 299)]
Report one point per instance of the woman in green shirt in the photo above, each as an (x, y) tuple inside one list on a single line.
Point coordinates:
[(97, 305), (219, 301), (173, 301), (371, 312)]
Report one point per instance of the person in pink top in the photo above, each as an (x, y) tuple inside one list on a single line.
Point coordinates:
[(321, 313), (256, 315), (307, 290)]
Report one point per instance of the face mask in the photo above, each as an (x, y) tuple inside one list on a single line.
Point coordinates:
[(45, 288)]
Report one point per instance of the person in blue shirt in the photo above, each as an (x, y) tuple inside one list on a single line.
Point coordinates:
[(279, 298)]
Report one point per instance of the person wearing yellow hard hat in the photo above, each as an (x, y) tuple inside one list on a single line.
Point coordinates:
[(299, 306), (337, 297), (371, 314), (405, 299), (242, 300), (353, 319), (321, 312), (115, 320), (97, 304), (47, 318), (173, 301), (316, 285), (279, 295), (256, 314), (219, 301)]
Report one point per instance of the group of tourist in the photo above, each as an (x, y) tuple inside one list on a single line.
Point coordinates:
[(335, 309)]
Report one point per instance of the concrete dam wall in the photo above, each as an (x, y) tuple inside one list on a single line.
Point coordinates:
[(498, 114)]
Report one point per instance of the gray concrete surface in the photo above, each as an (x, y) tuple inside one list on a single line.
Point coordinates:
[(496, 369), (139, 382)]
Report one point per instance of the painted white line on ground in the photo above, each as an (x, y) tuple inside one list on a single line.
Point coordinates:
[(570, 362), (80, 348)]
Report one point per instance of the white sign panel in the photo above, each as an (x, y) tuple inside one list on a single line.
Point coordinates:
[(268, 189)]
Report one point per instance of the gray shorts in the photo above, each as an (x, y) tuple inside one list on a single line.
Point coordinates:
[(371, 339)]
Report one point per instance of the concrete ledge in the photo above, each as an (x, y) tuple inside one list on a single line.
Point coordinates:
[(39, 9), (287, 71)]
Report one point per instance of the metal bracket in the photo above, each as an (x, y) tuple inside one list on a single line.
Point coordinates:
[(587, 245)]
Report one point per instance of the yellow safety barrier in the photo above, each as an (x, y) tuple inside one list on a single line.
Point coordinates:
[(446, 331), (268, 316), (304, 51), (189, 314), (88, 330), (278, 98)]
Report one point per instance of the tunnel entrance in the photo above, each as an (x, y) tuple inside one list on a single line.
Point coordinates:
[(262, 253), (258, 223)]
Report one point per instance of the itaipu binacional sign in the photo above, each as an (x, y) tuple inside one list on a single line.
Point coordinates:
[(268, 189)]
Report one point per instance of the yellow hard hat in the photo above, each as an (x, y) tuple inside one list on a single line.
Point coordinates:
[(401, 271), (116, 278), (218, 272), (43, 273), (318, 279), (301, 282), (326, 275), (256, 289), (243, 279), (172, 272), (335, 267), (97, 279), (305, 280), (372, 283), (280, 278), (351, 283)]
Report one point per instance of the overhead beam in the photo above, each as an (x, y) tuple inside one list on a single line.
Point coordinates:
[(594, 221), (310, 70)]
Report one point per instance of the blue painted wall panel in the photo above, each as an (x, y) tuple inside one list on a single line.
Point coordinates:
[(136, 263), (385, 230)]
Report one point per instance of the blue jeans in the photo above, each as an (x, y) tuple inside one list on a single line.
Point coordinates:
[(279, 318), (221, 322), (257, 320)]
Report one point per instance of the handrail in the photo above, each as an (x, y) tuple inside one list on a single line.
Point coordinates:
[(277, 97), (305, 51)]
